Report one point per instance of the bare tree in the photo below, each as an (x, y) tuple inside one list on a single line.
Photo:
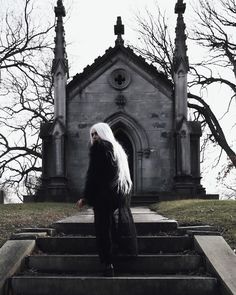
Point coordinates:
[(20, 146), (211, 33), (21, 40), (214, 30), (26, 91), (155, 41)]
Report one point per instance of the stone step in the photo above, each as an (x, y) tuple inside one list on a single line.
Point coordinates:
[(142, 228), (87, 245), (143, 264), (146, 221), (151, 285)]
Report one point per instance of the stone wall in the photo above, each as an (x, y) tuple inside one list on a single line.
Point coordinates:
[(148, 105)]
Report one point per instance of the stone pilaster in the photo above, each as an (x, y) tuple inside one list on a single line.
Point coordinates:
[(183, 178)]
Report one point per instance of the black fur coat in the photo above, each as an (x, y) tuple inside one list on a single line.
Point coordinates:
[(102, 174)]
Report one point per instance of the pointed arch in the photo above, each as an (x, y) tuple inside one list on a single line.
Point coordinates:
[(131, 127), (120, 122)]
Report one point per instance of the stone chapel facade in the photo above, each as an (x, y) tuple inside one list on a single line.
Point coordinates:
[(146, 111)]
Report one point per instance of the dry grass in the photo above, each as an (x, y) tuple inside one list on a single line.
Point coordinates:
[(221, 214), (15, 216)]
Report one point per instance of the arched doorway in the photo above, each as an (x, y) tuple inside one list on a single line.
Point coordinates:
[(134, 139), (124, 140)]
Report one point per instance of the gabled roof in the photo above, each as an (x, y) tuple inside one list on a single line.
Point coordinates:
[(111, 52)]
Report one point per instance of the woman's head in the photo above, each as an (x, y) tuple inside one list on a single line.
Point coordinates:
[(103, 131)]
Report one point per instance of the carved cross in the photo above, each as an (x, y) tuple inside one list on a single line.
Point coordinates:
[(119, 79), (119, 31), (180, 7), (60, 9)]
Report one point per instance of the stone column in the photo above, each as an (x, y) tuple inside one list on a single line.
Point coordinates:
[(183, 166)]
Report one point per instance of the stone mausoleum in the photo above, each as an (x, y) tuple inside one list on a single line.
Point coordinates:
[(147, 113)]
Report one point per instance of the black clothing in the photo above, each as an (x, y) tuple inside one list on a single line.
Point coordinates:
[(114, 225), (101, 187)]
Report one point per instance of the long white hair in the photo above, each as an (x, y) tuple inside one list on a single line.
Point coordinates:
[(105, 133)]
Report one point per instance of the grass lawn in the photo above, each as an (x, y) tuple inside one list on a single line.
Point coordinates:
[(15, 216), (221, 214)]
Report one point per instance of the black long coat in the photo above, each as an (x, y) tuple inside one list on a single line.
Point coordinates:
[(101, 193), (101, 179)]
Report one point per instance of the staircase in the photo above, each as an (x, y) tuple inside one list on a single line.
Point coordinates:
[(67, 263)]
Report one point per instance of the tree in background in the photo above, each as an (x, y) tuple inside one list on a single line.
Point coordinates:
[(214, 33), (25, 90)]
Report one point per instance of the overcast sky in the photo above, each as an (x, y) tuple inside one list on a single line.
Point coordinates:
[(90, 26)]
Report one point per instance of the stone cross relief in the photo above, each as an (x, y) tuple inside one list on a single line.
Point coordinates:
[(119, 79)]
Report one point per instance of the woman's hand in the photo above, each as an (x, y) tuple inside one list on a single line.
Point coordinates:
[(80, 203)]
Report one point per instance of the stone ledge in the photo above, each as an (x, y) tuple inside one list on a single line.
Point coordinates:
[(203, 233), (50, 231), (27, 235), (220, 259), (12, 255), (197, 228)]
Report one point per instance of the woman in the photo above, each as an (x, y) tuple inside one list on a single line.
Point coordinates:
[(107, 188)]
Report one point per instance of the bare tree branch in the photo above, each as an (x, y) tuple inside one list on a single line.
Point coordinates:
[(25, 52), (212, 30)]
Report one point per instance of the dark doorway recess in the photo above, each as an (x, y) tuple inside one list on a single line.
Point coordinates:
[(127, 145)]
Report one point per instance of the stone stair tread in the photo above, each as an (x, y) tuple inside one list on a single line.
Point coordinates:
[(125, 285), (38, 276), (138, 218), (121, 256), (117, 259), (142, 228), (145, 220), (134, 210), (140, 214), (118, 274), (70, 237), (87, 244), (166, 264)]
